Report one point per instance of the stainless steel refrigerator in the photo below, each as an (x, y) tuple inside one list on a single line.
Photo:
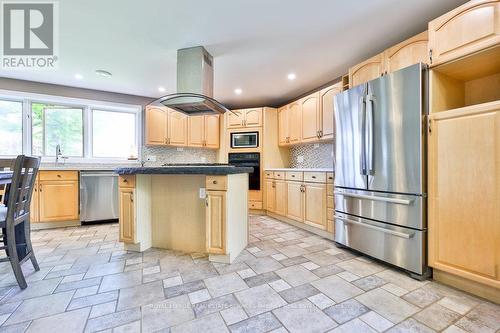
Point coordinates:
[(380, 156)]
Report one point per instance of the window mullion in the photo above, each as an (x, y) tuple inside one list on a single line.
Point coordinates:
[(87, 132), (26, 128)]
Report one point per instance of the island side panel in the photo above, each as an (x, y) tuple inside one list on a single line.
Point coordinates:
[(143, 207), (178, 213)]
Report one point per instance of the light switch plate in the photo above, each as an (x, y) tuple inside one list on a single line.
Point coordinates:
[(203, 193), (151, 158), (300, 159)]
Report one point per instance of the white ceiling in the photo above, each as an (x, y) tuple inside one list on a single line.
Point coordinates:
[(255, 43)]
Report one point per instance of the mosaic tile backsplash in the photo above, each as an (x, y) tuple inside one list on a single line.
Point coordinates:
[(315, 155), (175, 155)]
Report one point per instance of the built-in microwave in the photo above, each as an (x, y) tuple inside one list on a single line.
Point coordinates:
[(244, 140)]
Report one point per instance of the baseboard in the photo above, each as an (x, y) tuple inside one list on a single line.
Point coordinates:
[(304, 226), (51, 225), (472, 287), (257, 212)]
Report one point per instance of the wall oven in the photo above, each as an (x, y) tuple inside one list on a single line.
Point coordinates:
[(244, 140), (248, 160)]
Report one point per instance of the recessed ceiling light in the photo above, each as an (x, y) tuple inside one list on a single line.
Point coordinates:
[(161, 89), (291, 76), (102, 72), (78, 76), (238, 91)]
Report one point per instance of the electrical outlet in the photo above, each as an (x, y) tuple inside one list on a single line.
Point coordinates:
[(300, 159), (180, 149), (316, 145), (203, 193), (203, 160), (151, 158)]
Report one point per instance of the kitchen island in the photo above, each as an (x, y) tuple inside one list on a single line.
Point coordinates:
[(199, 209)]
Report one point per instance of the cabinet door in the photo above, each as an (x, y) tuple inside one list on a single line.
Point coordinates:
[(283, 126), (464, 193), (196, 125), (326, 111), (467, 29), (156, 125), (295, 201), (34, 205), (216, 222), (235, 119), (407, 53), (310, 117), (253, 117), (177, 129), (270, 196), (280, 197), (367, 70), (294, 123), (58, 200), (315, 205), (127, 215), (211, 131)]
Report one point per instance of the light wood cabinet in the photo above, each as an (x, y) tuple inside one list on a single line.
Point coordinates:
[(156, 125), (127, 215), (407, 53), (472, 27), (244, 118), (367, 70), (177, 129), (283, 126), (55, 197), (294, 122), (310, 117), (327, 113), (280, 197), (215, 222), (295, 201), (270, 195), (315, 205), (464, 192), (203, 131)]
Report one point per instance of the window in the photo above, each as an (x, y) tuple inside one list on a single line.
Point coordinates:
[(113, 134), (57, 125), (11, 128)]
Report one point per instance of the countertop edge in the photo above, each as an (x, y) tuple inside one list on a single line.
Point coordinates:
[(300, 169), (216, 170)]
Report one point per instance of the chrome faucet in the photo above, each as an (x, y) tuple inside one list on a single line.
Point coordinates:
[(58, 153)]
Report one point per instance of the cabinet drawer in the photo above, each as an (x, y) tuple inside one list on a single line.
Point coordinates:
[(294, 175), (329, 189), (218, 183), (329, 177), (279, 174), (269, 174), (126, 181), (58, 175), (315, 177), (329, 201), (255, 204)]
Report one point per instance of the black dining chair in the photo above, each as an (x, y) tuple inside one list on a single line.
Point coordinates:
[(16, 211)]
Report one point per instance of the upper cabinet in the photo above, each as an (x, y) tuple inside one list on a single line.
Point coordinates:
[(283, 125), (294, 122), (404, 54), (367, 70), (166, 127), (327, 112), (407, 53), (469, 28), (310, 117), (244, 118)]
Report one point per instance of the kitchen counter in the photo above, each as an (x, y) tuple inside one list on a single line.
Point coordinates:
[(184, 170), (301, 169), (87, 166)]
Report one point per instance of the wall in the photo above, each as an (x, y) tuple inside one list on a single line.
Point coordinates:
[(173, 155), (315, 155)]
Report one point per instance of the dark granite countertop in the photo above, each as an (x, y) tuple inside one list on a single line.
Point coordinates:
[(184, 170)]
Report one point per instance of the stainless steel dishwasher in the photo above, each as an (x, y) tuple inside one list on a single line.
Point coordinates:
[(98, 196)]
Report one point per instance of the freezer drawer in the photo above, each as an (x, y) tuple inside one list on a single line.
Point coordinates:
[(403, 210), (401, 247)]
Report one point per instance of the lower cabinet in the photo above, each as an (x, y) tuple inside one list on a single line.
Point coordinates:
[(216, 222), (127, 215), (280, 197), (55, 197), (295, 201), (314, 205), (270, 195)]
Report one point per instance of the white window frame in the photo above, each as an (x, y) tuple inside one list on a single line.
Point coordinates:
[(87, 105)]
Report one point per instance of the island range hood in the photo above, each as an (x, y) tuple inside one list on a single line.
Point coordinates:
[(195, 84)]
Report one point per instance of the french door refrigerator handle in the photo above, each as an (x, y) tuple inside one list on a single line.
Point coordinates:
[(362, 130), (386, 231), (369, 136), (375, 198)]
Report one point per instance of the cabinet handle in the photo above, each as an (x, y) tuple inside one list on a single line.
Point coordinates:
[(40, 188), (131, 198), (206, 201), (293, 176), (313, 177), (125, 181), (59, 176), (214, 182)]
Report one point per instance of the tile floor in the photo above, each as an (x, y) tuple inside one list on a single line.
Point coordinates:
[(287, 280)]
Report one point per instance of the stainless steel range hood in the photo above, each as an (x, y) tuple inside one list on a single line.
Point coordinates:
[(195, 84)]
